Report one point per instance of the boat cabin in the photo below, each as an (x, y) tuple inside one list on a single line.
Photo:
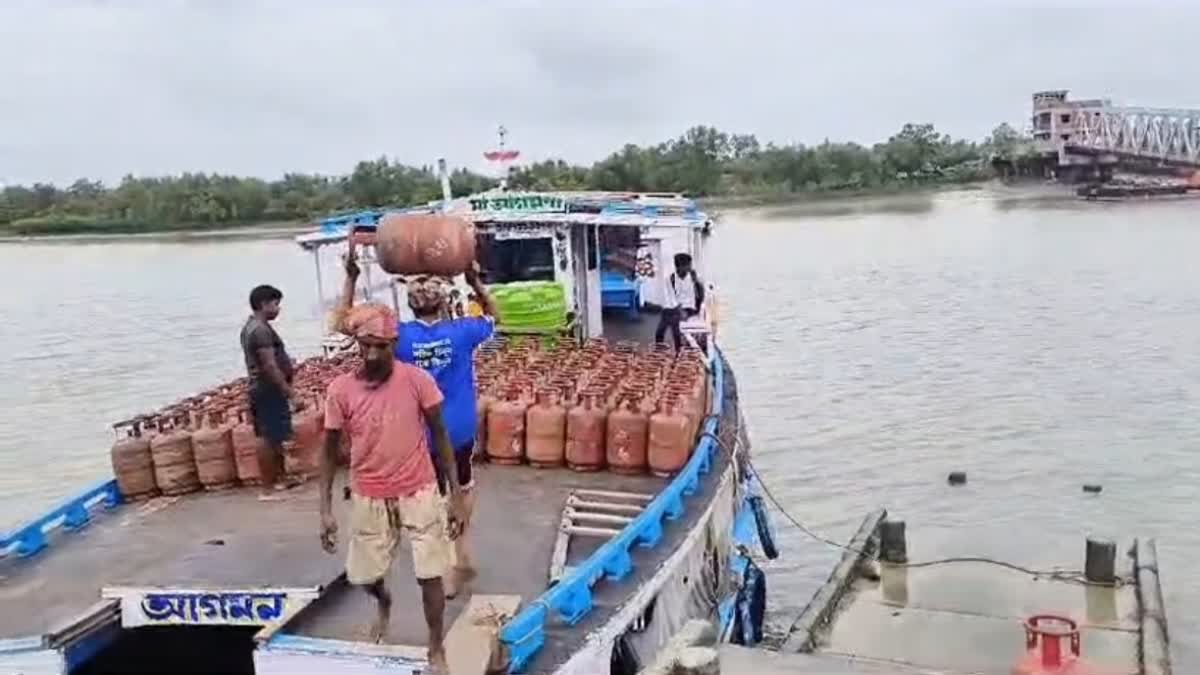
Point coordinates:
[(578, 264)]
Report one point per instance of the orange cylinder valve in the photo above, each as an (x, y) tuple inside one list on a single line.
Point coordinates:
[(1052, 648)]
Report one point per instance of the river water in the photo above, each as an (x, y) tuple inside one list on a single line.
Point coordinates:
[(1037, 345)]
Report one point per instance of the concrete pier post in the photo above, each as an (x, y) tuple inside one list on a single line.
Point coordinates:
[(893, 547), (894, 584), (1100, 562)]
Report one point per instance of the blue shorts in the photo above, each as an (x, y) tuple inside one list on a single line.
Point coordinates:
[(272, 414)]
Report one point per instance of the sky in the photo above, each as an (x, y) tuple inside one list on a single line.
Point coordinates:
[(101, 89)]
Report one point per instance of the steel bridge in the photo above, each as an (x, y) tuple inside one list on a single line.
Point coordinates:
[(1170, 137)]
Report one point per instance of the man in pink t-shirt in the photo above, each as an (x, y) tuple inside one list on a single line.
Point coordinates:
[(384, 408)]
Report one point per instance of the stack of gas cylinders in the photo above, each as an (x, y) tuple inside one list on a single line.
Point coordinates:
[(208, 441), (590, 407)]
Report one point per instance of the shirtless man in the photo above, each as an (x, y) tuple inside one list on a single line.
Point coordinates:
[(387, 408)]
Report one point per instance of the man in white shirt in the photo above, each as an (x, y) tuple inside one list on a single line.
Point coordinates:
[(683, 297)]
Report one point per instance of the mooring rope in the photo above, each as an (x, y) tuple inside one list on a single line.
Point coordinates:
[(1073, 576)]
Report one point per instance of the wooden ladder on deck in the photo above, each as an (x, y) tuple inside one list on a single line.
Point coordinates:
[(597, 514)]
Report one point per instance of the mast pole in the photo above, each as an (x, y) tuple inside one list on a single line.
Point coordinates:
[(444, 176)]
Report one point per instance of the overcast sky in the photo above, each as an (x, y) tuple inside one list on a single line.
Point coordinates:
[(104, 88)]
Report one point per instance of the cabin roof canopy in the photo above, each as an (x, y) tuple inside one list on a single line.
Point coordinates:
[(498, 209)]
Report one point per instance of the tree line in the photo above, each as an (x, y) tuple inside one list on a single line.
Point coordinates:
[(702, 162)]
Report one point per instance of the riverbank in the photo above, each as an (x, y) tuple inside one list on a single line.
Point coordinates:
[(767, 199), (265, 230), (908, 200), (791, 204)]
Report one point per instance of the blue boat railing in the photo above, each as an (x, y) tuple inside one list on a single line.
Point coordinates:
[(571, 598), (71, 515)]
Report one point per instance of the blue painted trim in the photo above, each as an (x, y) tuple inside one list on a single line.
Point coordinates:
[(72, 515), (343, 221), (368, 219), (80, 653), (745, 530), (725, 612), (745, 538), (571, 598)]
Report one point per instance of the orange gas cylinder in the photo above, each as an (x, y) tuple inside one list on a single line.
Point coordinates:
[(132, 462), (628, 429), (301, 459), (506, 429), (483, 402), (1052, 647), (669, 444), (212, 446), (174, 461), (246, 444), (546, 431), (585, 433), (425, 244)]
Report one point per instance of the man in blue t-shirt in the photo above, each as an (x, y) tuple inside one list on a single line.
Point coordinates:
[(445, 347)]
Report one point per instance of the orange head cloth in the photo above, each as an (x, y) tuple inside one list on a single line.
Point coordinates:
[(371, 321)]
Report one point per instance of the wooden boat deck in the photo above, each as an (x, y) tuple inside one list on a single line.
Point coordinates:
[(512, 539), (229, 540), (221, 540)]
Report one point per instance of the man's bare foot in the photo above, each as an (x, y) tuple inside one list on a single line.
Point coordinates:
[(379, 629), (289, 482), (437, 661)]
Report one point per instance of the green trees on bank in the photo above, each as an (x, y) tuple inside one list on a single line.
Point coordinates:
[(702, 162)]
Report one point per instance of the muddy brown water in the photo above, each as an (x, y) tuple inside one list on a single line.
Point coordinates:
[(1037, 345)]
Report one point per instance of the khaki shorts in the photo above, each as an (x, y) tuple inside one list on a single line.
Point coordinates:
[(375, 527)]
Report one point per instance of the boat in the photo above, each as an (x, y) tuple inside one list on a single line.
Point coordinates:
[(1129, 191), (213, 581)]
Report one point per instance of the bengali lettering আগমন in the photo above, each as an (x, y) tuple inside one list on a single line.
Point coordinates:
[(202, 607)]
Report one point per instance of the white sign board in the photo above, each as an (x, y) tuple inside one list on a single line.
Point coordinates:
[(208, 607)]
